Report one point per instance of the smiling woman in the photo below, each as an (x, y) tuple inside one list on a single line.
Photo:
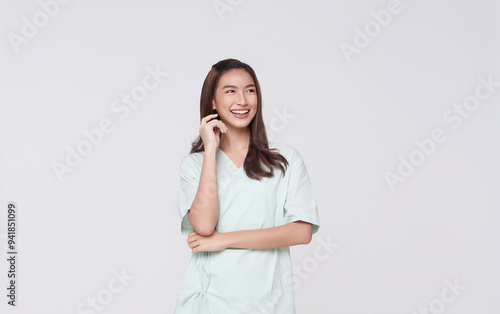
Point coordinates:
[(239, 215), (236, 95)]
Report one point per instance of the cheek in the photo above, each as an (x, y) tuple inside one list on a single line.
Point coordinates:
[(224, 102)]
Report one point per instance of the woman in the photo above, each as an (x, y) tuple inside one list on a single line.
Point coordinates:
[(243, 201)]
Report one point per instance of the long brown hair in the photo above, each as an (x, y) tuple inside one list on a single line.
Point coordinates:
[(258, 150)]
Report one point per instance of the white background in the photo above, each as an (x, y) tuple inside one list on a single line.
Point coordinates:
[(352, 117)]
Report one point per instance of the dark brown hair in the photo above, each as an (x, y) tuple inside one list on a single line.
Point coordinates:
[(258, 150)]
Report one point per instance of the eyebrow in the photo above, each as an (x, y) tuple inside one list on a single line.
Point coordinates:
[(232, 86)]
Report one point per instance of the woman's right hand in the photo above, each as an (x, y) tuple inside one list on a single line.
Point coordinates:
[(210, 131)]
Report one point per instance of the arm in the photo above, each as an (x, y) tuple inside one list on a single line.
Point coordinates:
[(294, 233), (204, 211)]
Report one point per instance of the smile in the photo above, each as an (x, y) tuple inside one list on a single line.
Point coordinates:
[(240, 113)]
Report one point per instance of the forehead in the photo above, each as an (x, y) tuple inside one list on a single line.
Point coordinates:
[(236, 77)]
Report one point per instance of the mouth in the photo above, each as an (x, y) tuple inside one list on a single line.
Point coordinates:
[(240, 113)]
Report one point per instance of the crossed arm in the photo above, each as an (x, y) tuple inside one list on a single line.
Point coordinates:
[(204, 212), (294, 233)]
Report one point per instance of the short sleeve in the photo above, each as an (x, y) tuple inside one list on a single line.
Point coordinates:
[(189, 181), (300, 202)]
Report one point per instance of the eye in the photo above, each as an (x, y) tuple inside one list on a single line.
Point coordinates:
[(251, 90), (230, 91)]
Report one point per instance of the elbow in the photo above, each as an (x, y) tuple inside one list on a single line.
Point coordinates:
[(205, 231), (307, 238), (201, 226), (306, 232)]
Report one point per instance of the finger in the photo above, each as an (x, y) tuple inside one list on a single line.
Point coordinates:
[(210, 116), (223, 126), (193, 245), (217, 124)]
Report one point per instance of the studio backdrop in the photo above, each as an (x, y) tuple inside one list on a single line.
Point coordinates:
[(393, 105)]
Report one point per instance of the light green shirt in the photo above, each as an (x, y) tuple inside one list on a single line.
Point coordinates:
[(246, 281)]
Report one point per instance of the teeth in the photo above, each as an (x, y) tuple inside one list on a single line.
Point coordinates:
[(239, 111)]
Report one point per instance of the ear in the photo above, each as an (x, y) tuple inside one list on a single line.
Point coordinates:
[(213, 104)]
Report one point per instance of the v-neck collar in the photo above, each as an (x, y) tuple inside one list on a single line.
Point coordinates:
[(230, 160)]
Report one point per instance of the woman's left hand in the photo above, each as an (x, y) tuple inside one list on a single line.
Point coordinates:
[(199, 243)]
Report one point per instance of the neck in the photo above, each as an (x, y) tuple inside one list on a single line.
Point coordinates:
[(236, 140)]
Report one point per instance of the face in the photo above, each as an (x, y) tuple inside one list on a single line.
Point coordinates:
[(235, 92)]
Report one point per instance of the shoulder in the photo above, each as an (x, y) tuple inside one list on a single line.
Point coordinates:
[(193, 160), (288, 151)]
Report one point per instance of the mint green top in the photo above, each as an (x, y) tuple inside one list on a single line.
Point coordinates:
[(248, 281)]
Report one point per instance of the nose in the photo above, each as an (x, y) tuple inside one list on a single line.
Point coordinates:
[(242, 100)]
